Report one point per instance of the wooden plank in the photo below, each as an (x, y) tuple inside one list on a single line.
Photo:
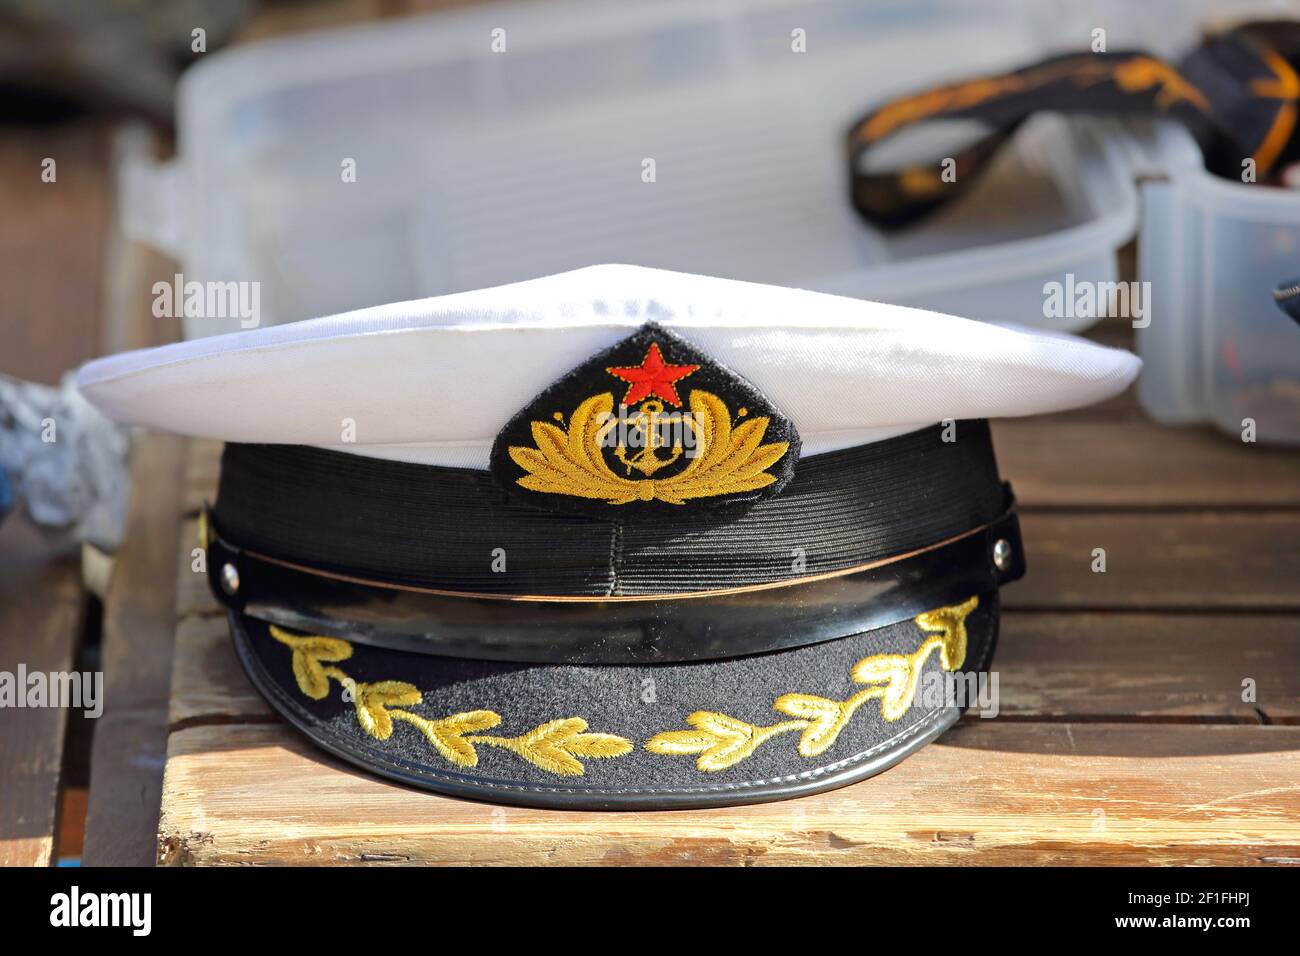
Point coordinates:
[(1175, 561), (208, 683), (1067, 461), (51, 255), (192, 593), (71, 836), (1174, 667), (989, 792), (139, 619), (41, 605)]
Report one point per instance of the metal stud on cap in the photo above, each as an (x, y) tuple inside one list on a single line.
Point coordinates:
[(1001, 554), (229, 578)]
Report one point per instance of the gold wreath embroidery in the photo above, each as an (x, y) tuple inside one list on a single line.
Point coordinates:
[(727, 460), (719, 741), (554, 746)]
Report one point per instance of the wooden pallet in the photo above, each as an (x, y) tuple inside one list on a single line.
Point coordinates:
[(1124, 736)]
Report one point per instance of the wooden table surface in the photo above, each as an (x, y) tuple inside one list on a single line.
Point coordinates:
[(1124, 734)]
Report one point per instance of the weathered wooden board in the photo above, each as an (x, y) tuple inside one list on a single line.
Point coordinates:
[(130, 741), (988, 793), (41, 605), (208, 683), (1142, 667), (51, 251), (192, 593), (70, 839), (1073, 460), (1165, 561)]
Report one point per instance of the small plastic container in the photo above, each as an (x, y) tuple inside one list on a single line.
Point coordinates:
[(475, 168), (1217, 349)]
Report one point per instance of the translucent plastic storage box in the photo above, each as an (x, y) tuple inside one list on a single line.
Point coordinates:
[(1218, 348), (475, 168)]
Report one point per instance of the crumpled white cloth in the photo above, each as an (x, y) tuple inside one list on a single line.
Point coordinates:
[(75, 487)]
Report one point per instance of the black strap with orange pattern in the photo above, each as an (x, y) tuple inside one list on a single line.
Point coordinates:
[(1237, 94)]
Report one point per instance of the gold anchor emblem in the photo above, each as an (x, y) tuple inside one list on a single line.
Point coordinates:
[(716, 454), (647, 423)]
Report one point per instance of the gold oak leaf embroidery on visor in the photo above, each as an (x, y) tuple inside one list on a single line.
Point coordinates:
[(554, 746), (719, 741), (727, 460)]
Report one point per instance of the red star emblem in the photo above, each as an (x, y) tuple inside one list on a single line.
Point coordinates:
[(652, 377)]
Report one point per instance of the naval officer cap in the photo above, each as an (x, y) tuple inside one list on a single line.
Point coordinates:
[(617, 538)]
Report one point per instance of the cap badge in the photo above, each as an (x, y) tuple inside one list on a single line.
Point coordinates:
[(647, 425)]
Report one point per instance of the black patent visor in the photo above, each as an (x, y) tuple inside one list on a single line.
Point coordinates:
[(646, 629)]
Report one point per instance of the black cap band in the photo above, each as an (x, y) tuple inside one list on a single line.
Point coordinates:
[(667, 628), (862, 538), (455, 529)]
